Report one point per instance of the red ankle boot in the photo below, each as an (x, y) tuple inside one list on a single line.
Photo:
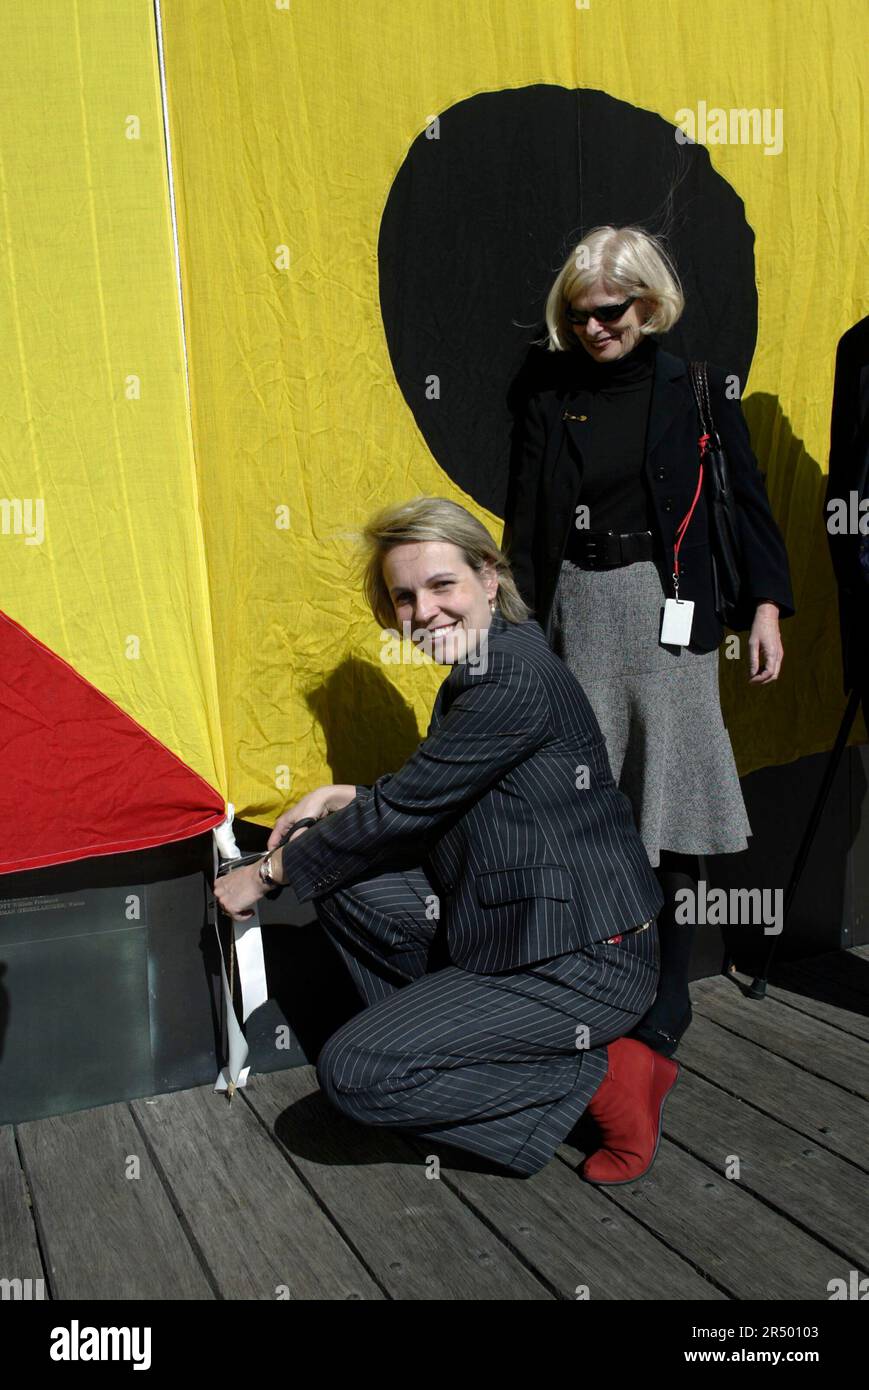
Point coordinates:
[(627, 1107)]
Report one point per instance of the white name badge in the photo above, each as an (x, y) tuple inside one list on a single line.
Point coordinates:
[(678, 618)]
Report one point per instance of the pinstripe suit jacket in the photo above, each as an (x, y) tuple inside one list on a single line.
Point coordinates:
[(512, 807)]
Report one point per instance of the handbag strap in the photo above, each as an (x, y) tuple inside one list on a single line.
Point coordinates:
[(700, 385)]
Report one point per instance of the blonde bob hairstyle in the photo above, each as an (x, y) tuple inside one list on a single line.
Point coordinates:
[(433, 519), (629, 261)]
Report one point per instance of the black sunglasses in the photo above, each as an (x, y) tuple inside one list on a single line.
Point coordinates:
[(606, 313)]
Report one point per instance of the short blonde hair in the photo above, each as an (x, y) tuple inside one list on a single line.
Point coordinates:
[(629, 261), (433, 519)]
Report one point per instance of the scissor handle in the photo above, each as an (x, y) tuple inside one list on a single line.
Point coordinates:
[(306, 820)]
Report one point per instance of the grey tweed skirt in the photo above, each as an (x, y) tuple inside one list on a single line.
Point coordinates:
[(658, 708)]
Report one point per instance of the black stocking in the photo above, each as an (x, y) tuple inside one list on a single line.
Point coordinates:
[(669, 1016)]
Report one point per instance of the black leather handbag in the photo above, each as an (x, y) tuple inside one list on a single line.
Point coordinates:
[(734, 607)]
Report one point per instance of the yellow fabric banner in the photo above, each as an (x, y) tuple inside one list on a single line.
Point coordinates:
[(94, 418), (290, 123), (197, 562)]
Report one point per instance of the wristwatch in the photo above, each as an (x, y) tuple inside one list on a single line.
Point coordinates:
[(265, 872), (266, 877)]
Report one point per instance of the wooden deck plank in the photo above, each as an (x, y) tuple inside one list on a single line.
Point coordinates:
[(258, 1228), (821, 997), (847, 968), (280, 1190), (573, 1236), (412, 1231), (19, 1248), (822, 1112), (806, 1183), (104, 1235), (785, 1032), (749, 1250)]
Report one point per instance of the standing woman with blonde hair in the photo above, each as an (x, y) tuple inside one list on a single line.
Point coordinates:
[(605, 476)]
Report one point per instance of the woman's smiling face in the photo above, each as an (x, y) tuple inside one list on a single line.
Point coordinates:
[(434, 589), (606, 342)]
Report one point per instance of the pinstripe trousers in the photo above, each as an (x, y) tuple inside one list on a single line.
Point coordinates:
[(502, 1065)]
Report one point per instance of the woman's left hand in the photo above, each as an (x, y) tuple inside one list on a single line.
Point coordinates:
[(238, 890), (765, 650)]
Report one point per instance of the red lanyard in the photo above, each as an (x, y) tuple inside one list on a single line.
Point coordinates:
[(703, 441)]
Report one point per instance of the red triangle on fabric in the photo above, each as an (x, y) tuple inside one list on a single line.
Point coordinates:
[(78, 776)]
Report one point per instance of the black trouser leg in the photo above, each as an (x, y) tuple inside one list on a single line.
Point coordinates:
[(670, 1015)]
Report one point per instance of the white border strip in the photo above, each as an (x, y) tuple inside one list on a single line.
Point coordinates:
[(158, 20)]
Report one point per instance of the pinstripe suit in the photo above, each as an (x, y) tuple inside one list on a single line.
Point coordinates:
[(472, 895)]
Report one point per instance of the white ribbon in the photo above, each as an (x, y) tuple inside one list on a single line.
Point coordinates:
[(250, 963)]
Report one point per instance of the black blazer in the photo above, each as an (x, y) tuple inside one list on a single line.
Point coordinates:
[(527, 863), (545, 489)]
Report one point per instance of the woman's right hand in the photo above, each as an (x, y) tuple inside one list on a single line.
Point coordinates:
[(318, 803)]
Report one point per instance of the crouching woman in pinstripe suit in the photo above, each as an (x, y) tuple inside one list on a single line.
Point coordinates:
[(492, 899)]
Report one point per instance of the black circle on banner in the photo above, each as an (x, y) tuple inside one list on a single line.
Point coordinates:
[(480, 217)]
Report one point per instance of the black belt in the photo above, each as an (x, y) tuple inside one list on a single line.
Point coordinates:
[(608, 550)]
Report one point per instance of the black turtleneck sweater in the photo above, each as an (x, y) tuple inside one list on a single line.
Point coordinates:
[(614, 397)]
